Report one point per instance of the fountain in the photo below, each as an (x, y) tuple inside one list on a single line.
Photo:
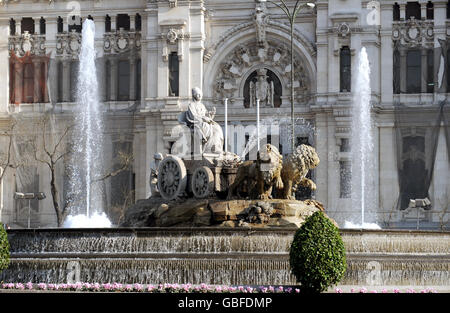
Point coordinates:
[(362, 146), (86, 164)]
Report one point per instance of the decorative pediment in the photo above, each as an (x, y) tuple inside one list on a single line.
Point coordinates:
[(172, 36)]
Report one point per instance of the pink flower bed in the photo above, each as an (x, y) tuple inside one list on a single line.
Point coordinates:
[(177, 288)]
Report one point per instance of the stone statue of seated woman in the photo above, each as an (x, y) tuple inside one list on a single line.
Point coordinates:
[(204, 131)]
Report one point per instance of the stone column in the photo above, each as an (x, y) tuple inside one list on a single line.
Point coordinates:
[(113, 88), (113, 22), (132, 77), (18, 26), (423, 10), (402, 11), (66, 80), (18, 82), (37, 94), (132, 22), (37, 25), (424, 69), (402, 52)]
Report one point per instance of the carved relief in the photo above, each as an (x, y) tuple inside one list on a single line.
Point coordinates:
[(121, 41), (27, 43), (172, 38), (413, 33), (262, 90), (68, 44), (243, 58)]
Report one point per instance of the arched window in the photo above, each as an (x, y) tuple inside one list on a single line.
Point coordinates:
[(260, 84), (345, 69)]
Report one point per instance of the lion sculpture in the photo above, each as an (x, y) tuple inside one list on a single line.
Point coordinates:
[(259, 177), (295, 168)]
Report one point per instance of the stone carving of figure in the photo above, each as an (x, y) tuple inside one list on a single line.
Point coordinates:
[(154, 174), (260, 24), (262, 90), (202, 123)]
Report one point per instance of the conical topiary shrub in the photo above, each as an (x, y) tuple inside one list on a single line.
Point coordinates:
[(317, 254), (4, 249)]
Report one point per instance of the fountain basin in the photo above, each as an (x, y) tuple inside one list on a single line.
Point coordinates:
[(253, 256)]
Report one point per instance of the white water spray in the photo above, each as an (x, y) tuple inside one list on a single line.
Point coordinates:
[(362, 145), (86, 193)]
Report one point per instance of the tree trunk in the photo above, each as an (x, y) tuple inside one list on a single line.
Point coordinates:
[(60, 216)]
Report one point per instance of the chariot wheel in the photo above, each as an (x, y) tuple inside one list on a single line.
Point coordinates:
[(202, 182), (172, 177)]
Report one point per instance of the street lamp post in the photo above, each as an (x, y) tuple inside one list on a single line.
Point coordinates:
[(30, 196), (291, 15)]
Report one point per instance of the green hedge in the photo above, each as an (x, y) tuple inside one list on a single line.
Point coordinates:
[(317, 254), (4, 249)]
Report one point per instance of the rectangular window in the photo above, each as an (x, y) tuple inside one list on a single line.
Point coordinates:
[(345, 179), (27, 24), (122, 183), (42, 26), (430, 10), (60, 25), (396, 68), (60, 81), (345, 145), (302, 141), (430, 73), (345, 69), (123, 21), (107, 24), (138, 79), (28, 83), (12, 27), (413, 71), (107, 80), (124, 80), (396, 13), (74, 65), (173, 75), (413, 10)]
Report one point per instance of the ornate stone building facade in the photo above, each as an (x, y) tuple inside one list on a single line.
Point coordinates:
[(152, 53)]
